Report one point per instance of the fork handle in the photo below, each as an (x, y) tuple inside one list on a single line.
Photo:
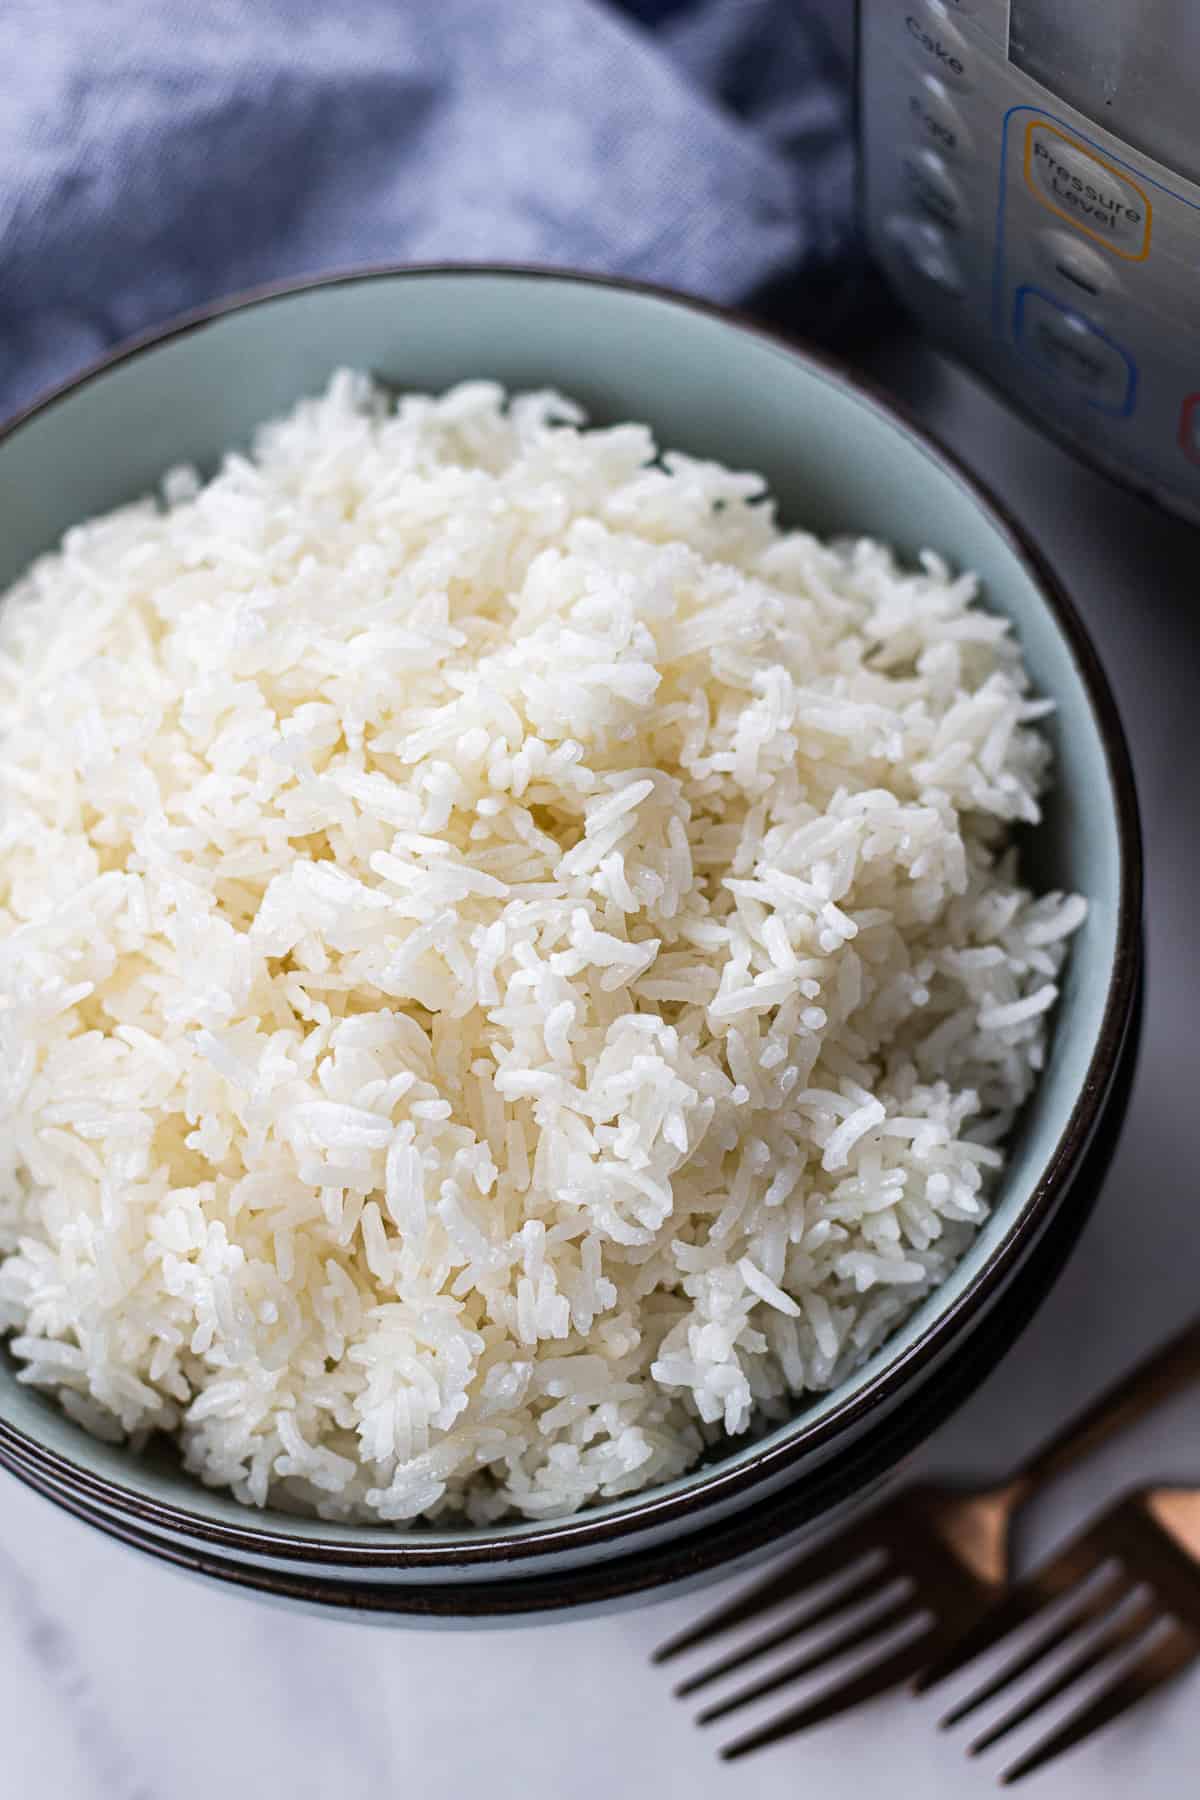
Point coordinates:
[(1164, 1373)]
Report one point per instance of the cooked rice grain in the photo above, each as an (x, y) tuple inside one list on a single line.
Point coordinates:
[(510, 965)]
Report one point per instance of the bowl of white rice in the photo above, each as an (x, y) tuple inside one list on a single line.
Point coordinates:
[(569, 937)]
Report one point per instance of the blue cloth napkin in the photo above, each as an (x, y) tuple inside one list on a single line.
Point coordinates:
[(156, 154)]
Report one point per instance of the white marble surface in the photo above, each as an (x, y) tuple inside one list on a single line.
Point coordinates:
[(124, 1679)]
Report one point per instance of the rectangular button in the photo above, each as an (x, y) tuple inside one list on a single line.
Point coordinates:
[(936, 45), (1069, 347), (935, 120), (932, 191), (1087, 191)]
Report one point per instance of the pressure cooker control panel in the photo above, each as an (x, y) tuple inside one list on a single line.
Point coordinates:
[(1050, 251)]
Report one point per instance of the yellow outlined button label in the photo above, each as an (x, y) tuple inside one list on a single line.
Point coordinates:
[(1088, 192)]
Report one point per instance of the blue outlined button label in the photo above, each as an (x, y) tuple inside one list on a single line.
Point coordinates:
[(1081, 356)]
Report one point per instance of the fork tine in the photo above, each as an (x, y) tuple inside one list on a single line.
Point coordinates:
[(1071, 1566), (875, 1679), (1019, 1605), (1094, 1606), (879, 1622), (1163, 1660), (803, 1572), (873, 1582), (1125, 1631)]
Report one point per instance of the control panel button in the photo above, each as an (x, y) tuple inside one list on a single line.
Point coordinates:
[(932, 190), (1189, 428), (927, 251), (935, 121), (1068, 346), (937, 44), (1090, 193), (1069, 263)]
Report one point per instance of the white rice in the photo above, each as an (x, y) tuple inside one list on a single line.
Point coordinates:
[(510, 966)]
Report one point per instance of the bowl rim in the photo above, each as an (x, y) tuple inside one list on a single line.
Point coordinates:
[(719, 1483)]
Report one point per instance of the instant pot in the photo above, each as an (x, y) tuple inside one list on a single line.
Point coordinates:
[(1031, 186)]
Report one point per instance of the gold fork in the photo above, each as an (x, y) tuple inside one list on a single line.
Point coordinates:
[(933, 1560), (1133, 1582)]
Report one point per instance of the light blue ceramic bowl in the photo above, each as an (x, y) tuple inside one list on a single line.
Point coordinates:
[(839, 458)]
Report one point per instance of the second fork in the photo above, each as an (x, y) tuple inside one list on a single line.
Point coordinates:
[(948, 1547)]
